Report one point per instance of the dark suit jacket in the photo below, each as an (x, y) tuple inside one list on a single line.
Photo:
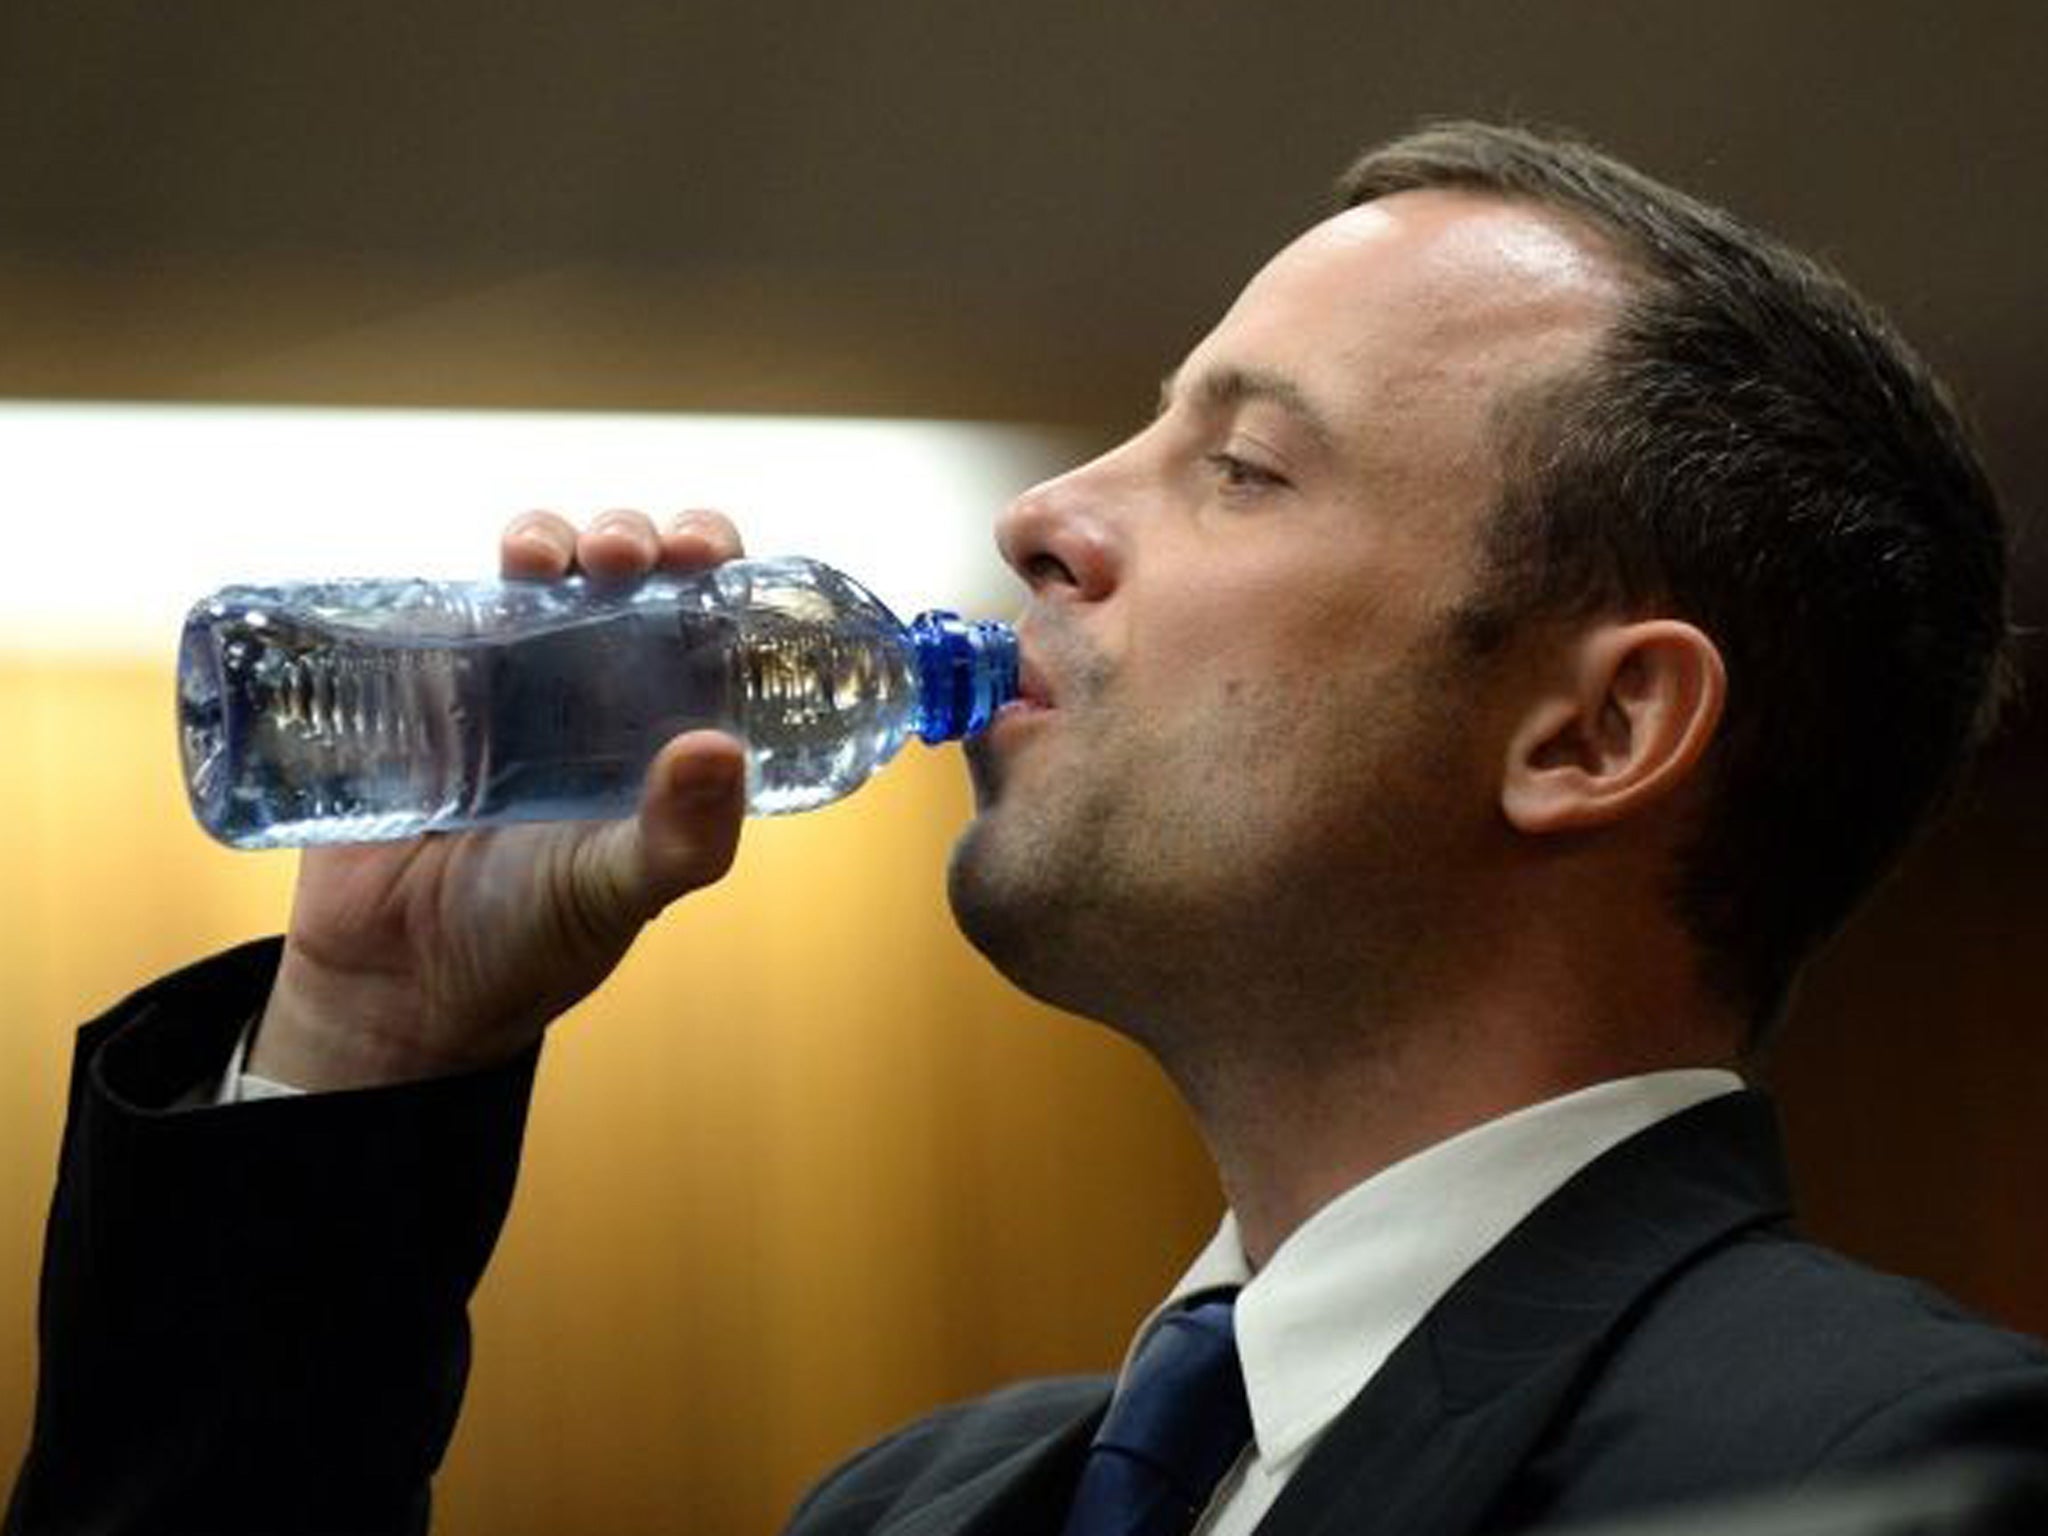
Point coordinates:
[(1651, 1335), (254, 1321)]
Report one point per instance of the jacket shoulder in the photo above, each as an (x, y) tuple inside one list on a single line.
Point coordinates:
[(945, 1451), (1773, 1359)]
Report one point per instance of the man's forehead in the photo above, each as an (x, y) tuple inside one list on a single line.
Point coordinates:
[(1484, 249), (1422, 291)]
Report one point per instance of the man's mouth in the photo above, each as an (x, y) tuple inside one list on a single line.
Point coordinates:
[(1033, 697), (1033, 691)]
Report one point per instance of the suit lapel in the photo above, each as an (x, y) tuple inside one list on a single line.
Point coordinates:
[(1024, 1494), (1431, 1443)]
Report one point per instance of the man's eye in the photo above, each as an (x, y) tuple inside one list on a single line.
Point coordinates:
[(1241, 474)]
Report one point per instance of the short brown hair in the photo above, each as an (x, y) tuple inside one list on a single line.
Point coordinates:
[(1755, 449)]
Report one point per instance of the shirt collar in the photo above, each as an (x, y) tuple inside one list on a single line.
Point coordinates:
[(1348, 1285)]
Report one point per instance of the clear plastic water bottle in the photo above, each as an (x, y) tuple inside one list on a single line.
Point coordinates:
[(360, 711)]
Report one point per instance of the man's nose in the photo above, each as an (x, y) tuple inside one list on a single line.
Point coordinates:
[(1057, 537)]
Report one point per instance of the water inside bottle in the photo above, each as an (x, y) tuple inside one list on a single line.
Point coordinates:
[(297, 729)]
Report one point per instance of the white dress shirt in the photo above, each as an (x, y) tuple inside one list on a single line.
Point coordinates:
[(237, 1084), (1348, 1285)]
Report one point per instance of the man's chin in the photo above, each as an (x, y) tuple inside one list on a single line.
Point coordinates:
[(967, 878), (993, 891)]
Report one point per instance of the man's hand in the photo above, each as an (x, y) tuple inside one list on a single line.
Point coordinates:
[(454, 951)]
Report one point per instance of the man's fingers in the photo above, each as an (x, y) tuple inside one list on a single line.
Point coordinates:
[(538, 546), (619, 546), (699, 538)]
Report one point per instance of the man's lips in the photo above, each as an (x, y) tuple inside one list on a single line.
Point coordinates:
[(1033, 697), (1032, 689)]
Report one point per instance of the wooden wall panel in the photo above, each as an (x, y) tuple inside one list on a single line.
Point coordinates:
[(1915, 1079)]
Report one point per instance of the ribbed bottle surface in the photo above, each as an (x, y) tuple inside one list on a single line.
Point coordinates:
[(363, 711)]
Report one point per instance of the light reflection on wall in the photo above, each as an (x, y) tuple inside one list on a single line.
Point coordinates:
[(126, 512)]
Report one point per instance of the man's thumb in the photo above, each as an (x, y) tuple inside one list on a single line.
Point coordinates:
[(690, 816)]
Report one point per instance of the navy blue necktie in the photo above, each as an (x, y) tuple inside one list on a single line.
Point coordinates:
[(1170, 1435)]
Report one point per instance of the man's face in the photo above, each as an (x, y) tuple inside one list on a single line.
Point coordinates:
[(1250, 745)]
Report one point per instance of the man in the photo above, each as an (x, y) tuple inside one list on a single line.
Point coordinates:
[(1539, 609)]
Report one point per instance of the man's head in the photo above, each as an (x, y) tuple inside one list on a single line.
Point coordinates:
[(1432, 471)]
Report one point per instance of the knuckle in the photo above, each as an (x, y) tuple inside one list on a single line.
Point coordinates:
[(548, 527), (622, 520)]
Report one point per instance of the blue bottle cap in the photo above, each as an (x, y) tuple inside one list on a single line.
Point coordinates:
[(965, 673)]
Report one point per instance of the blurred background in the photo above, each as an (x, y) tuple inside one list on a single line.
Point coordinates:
[(807, 1167)]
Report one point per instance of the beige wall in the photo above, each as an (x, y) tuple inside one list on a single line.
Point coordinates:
[(804, 1168)]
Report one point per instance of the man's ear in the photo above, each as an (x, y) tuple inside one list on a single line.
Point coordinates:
[(1627, 718)]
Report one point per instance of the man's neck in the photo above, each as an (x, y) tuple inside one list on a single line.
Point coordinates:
[(1290, 1131)]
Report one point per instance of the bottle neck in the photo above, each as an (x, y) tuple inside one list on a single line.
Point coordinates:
[(965, 673)]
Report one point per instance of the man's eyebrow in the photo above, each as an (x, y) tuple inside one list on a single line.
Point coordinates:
[(1225, 388)]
